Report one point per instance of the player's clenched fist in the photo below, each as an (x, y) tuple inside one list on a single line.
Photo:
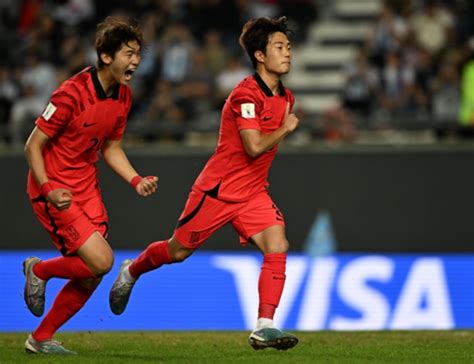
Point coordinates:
[(60, 198), (290, 120), (145, 186)]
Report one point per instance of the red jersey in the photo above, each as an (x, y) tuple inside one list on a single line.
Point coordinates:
[(231, 172), (78, 119)]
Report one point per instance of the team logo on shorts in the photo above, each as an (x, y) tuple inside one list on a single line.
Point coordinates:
[(194, 239), (72, 233)]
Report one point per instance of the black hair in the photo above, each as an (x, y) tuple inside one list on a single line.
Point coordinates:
[(257, 32), (112, 33)]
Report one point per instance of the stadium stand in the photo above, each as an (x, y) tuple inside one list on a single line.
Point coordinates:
[(364, 71)]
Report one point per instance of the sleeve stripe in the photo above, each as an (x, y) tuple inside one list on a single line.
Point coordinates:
[(70, 97), (62, 104), (79, 92)]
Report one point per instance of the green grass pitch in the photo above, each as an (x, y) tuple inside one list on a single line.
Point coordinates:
[(227, 347)]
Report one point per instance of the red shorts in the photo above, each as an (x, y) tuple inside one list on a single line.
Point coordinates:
[(203, 215), (70, 228)]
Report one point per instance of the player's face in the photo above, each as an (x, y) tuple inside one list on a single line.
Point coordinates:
[(125, 62), (278, 54)]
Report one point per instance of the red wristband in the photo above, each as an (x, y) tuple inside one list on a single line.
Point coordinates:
[(46, 188), (135, 181)]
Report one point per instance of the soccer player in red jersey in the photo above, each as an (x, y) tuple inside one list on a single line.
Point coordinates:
[(232, 188), (85, 115)]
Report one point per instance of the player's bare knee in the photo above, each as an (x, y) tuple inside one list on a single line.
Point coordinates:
[(178, 252), (180, 255), (102, 265), (280, 247)]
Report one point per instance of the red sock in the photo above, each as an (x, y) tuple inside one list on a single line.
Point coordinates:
[(69, 300), (271, 283), (153, 257), (70, 267)]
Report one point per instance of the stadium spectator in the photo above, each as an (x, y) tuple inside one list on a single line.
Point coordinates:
[(395, 79), (362, 82), (165, 113), (9, 92), (27, 106), (445, 94), (177, 46), (387, 34), (85, 115), (40, 75), (228, 78), (37, 82), (216, 54), (72, 55), (430, 26), (232, 188), (197, 86)]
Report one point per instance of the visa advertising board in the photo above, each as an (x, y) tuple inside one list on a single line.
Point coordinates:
[(218, 291)]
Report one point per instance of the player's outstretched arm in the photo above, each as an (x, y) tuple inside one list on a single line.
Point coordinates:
[(257, 143), (116, 158)]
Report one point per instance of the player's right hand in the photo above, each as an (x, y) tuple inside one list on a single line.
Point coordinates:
[(290, 121), (147, 186), (60, 198)]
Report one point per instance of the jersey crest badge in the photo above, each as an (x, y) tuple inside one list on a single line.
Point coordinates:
[(248, 111)]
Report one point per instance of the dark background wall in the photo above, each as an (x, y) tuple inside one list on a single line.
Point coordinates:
[(380, 199)]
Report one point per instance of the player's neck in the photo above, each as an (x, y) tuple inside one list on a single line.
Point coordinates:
[(271, 80), (107, 81)]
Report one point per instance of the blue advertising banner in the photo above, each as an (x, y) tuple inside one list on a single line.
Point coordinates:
[(218, 291)]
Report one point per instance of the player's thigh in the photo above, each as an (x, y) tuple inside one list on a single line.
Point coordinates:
[(201, 217), (262, 223)]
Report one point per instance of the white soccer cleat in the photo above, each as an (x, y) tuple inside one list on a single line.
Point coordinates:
[(34, 292), (270, 337), (121, 289), (46, 347)]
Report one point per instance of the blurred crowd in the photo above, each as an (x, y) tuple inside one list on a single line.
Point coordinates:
[(414, 71), (190, 63), (417, 63)]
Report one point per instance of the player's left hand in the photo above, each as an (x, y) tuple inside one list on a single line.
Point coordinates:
[(147, 186)]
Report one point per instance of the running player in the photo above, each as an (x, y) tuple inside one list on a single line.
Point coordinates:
[(85, 115), (232, 188)]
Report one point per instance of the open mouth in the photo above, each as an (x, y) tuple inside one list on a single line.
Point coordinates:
[(129, 74)]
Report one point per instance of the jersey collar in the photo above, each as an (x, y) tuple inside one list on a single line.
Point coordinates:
[(265, 88), (98, 87)]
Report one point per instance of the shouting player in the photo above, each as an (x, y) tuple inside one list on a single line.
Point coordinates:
[(85, 115), (232, 188)]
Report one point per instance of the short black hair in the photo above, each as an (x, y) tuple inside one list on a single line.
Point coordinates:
[(257, 32), (112, 33)]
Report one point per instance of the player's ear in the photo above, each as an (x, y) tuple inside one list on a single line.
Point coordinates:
[(105, 58), (259, 56)]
